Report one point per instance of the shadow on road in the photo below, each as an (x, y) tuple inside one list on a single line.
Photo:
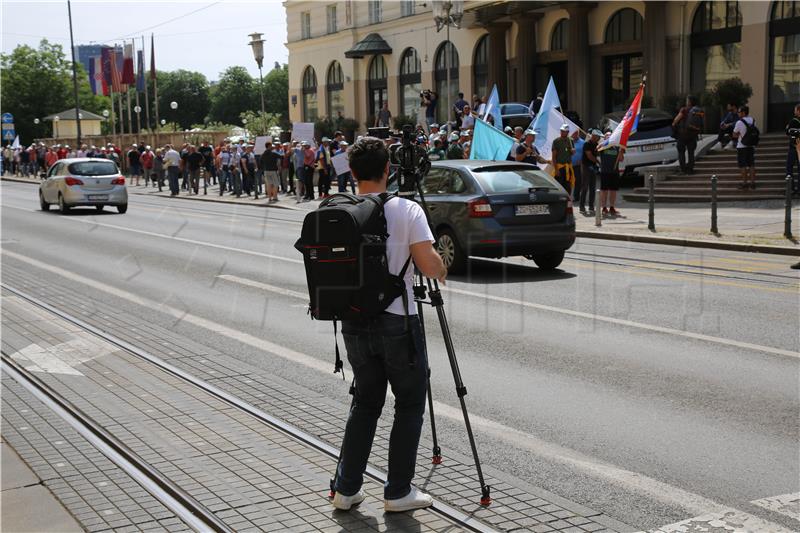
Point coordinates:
[(484, 271)]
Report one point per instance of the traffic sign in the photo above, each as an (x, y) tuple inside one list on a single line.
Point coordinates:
[(9, 135), (7, 118)]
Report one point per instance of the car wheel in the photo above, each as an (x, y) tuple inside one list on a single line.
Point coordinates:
[(451, 252), (99, 207), (44, 205), (62, 205), (547, 261), (122, 208)]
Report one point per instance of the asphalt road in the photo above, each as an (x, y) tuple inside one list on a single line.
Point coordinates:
[(650, 383)]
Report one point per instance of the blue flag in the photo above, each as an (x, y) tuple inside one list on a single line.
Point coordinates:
[(493, 109), (489, 143), (140, 71)]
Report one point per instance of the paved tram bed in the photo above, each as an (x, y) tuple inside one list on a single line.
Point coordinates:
[(249, 474)]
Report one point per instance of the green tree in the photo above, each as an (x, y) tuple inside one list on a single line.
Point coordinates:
[(234, 93), (38, 82), (190, 90), (276, 93), (258, 123)]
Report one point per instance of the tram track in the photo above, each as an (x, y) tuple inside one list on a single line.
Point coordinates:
[(171, 495)]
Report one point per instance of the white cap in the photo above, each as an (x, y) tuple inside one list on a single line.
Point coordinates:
[(565, 127)]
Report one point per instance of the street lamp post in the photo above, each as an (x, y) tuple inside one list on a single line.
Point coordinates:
[(137, 109), (174, 105), (55, 126), (447, 13), (258, 52)]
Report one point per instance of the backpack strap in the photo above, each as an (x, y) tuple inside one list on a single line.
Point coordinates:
[(412, 350), (338, 366)]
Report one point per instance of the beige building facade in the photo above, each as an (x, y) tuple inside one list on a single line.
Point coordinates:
[(346, 58)]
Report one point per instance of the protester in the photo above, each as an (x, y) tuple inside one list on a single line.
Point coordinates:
[(436, 152), (223, 165), (458, 107), (562, 150), (134, 164), (455, 150), (50, 158), (432, 100), (383, 116), (195, 160), (270, 160), (250, 172), (309, 160), (235, 169), (158, 169), (467, 120), (745, 153), (589, 166), (577, 158), (379, 350), (536, 104), (324, 168), (298, 160), (688, 124), (147, 165), (527, 152), (610, 158), (793, 155), (208, 161), (173, 162)]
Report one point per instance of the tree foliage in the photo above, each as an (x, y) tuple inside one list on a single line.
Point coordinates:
[(234, 93), (276, 93), (258, 123), (38, 82), (191, 92)]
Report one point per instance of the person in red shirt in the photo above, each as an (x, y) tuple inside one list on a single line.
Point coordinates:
[(50, 158), (147, 164), (62, 152)]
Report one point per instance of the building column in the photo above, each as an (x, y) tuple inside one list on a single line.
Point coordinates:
[(655, 49), (526, 52), (755, 68), (578, 75), (498, 73)]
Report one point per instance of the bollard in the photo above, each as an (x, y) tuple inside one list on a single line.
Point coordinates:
[(651, 200), (787, 223), (598, 209), (714, 229)]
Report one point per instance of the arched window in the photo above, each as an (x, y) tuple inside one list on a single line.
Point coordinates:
[(446, 59), (376, 86), (410, 82), (715, 43), (309, 94), (784, 68), (334, 86), (558, 40), (625, 25), (480, 67)]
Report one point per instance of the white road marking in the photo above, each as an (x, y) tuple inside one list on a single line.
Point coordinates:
[(173, 238), (633, 481), (785, 504), (263, 286), (61, 358), (719, 522), (501, 299)]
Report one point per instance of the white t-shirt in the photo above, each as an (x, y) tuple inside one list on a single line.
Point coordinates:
[(406, 225), (741, 129), (467, 122), (172, 158)]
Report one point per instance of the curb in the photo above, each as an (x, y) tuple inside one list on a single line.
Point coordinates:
[(206, 198), (693, 243)]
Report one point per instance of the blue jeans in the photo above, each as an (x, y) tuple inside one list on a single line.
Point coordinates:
[(343, 180), (172, 176), (381, 353)]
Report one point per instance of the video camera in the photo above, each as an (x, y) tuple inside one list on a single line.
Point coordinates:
[(412, 161), (794, 133)]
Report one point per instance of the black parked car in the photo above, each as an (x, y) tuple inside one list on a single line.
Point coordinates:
[(515, 114), (498, 209)]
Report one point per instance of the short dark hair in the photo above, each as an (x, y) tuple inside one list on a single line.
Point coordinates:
[(744, 109), (368, 158), (797, 106), (692, 99)]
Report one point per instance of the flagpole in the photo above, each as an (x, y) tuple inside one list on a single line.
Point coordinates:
[(146, 97), (74, 78)]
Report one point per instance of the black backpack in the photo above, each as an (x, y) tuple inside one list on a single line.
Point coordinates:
[(343, 244), (751, 135)]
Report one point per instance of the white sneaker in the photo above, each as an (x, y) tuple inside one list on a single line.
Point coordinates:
[(344, 503), (415, 499)]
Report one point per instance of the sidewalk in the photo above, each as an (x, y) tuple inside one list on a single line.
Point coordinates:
[(744, 226)]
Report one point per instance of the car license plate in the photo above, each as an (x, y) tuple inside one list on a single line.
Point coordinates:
[(652, 147), (535, 209), (98, 197)]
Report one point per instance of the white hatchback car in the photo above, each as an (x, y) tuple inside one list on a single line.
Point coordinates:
[(652, 144), (84, 182)]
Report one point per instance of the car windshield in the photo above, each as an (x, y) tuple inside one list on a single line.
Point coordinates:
[(93, 168), (653, 129), (505, 180), (514, 109)]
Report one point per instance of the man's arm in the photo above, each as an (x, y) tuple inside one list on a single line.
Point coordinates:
[(428, 261)]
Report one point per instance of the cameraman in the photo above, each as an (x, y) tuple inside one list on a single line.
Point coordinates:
[(381, 350), (793, 155)]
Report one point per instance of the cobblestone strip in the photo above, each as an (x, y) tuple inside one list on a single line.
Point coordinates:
[(517, 505), (252, 476), (95, 491)]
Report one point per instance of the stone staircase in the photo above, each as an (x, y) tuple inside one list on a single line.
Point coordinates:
[(770, 176)]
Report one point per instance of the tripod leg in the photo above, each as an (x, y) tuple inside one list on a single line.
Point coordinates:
[(332, 492), (461, 390), (437, 452)]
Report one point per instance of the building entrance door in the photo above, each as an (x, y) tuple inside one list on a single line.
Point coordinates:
[(623, 74)]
